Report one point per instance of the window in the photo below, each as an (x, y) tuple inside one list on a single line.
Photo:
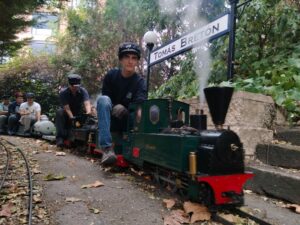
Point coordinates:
[(154, 114)]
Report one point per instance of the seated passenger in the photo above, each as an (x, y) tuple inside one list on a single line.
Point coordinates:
[(120, 88), (30, 112), (14, 114), (72, 99), (4, 113)]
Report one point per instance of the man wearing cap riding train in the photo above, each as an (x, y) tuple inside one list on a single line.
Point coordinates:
[(120, 88), (72, 100)]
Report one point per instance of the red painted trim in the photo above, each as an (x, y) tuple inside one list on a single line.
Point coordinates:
[(67, 143), (97, 151), (136, 152), (227, 183), (121, 162)]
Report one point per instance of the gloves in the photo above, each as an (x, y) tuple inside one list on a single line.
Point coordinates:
[(119, 111), (73, 121)]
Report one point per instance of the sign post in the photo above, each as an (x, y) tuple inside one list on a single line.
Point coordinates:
[(213, 30), (231, 48), (209, 32)]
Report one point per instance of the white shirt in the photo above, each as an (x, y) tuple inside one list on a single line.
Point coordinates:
[(33, 109)]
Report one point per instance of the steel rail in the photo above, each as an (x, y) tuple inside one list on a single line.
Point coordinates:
[(6, 167), (251, 217), (30, 186), (30, 200), (242, 214)]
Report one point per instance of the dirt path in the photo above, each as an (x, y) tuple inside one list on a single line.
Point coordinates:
[(86, 194), (121, 200)]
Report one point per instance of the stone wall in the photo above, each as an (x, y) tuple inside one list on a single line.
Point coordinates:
[(251, 116)]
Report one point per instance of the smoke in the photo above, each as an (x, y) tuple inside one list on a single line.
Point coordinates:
[(168, 7), (202, 65), (189, 13)]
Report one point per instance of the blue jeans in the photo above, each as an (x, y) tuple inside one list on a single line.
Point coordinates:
[(104, 107)]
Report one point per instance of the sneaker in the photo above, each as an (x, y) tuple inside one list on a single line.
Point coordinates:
[(59, 142), (26, 133), (11, 132), (109, 157)]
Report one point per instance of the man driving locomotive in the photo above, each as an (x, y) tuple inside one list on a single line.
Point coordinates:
[(121, 87), (71, 99)]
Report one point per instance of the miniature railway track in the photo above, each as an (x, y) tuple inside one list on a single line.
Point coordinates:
[(15, 176), (241, 214)]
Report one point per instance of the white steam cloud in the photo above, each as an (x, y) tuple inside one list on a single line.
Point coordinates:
[(192, 20)]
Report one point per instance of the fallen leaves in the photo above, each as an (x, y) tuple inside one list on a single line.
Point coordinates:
[(14, 195), (6, 210), (294, 207), (192, 213), (199, 212), (248, 192), (176, 217), (229, 217), (51, 177), (97, 183), (73, 199), (60, 153), (37, 199), (169, 203), (36, 171), (140, 173), (95, 211)]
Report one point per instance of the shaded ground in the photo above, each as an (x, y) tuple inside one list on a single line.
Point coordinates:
[(123, 198), (119, 201)]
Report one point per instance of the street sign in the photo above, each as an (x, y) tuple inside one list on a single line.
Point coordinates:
[(208, 32)]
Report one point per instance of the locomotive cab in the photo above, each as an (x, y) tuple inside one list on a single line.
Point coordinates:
[(154, 115)]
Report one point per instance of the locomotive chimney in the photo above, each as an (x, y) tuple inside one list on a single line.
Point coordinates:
[(218, 99)]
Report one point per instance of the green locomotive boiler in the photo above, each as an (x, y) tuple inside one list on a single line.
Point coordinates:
[(163, 139)]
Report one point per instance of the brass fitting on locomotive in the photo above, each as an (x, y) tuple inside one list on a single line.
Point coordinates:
[(90, 138), (193, 164)]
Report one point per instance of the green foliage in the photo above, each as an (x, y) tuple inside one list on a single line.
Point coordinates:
[(12, 21), (267, 54), (90, 43), (32, 74), (182, 85)]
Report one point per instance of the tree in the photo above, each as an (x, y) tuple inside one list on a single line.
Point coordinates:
[(13, 19), (94, 33), (28, 73), (267, 53)]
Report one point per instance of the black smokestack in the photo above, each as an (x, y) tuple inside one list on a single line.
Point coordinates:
[(218, 99)]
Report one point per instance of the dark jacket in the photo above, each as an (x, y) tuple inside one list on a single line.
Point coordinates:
[(13, 109), (76, 101), (124, 90)]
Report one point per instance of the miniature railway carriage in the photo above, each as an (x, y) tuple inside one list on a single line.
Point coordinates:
[(163, 139)]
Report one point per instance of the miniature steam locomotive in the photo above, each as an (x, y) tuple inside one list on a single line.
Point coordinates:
[(161, 138)]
